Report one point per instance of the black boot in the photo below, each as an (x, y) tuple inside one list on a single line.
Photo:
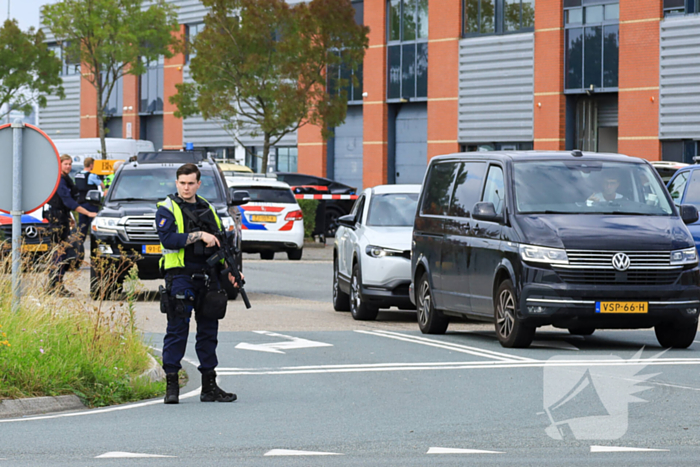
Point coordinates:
[(213, 393), (172, 391)]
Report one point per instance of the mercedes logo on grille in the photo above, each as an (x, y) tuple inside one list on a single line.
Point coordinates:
[(621, 261), (31, 232)]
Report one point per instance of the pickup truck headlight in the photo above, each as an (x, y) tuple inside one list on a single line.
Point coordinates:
[(105, 224), (381, 252), (539, 254), (686, 256)]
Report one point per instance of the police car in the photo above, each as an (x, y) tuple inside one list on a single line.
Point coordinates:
[(272, 221), (36, 234)]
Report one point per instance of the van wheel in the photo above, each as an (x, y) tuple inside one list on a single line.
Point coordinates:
[(510, 330), (360, 310), (295, 255), (341, 300), (581, 331), (267, 255), (430, 320), (677, 335)]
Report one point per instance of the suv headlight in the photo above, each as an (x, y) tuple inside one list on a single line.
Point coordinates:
[(228, 223), (105, 224), (381, 252), (539, 254), (686, 256)]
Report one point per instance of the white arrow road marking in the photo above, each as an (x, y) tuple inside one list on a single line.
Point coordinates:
[(119, 454), (623, 449), (459, 451), (277, 347), (291, 452)]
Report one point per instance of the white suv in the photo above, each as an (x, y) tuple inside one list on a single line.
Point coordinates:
[(372, 253), (272, 221)]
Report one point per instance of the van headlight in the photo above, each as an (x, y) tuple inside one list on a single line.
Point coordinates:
[(228, 223), (686, 256), (381, 252), (105, 224), (539, 254)]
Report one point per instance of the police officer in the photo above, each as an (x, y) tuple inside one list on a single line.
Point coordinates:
[(185, 224), (86, 181), (110, 178), (59, 215)]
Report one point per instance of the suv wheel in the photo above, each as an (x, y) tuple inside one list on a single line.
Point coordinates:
[(360, 310), (341, 300), (295, 255), (510, 329), (267, 255), (430, 320), (677, 335)]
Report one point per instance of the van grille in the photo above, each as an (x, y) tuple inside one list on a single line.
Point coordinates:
[(591, 259), (141, 228), (604, 277)]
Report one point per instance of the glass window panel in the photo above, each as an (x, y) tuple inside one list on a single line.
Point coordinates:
[(612, 11), (408, 70), (357, 86), (467, 188), (422, 15), (692, 194), (409, 20), (593, 54), (488, 16), (359, 12), (438, 189), (395, 20), (569, 3), (159, 89), (293, 155), (594, 14), (574, 58), (574, 16), (528, 20), (611, 47), (511, 15), (678, 187), (494, 190), (422, 70), (471, 16), (143, 92), (394, 91), (674, 3)]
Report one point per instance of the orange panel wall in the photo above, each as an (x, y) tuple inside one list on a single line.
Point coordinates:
[(172, 75), (312, 151), (130, 113), (88, 107)]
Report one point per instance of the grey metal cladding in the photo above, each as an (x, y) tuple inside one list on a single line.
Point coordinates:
[(496, 88), (60, 119), (679, 80), (210, 133)]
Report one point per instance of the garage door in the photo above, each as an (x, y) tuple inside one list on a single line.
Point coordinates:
[(347, 166), (411, 143)]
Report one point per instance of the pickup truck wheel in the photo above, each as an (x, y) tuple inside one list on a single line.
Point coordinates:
[(341, 300), (430, 320), (510, 330), (360, 309), (679, 335)]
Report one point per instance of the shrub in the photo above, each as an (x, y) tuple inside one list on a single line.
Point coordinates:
[(308, 209)]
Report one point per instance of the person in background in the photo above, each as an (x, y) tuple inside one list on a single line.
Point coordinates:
[(86, 181), (59, 215), (110, 178)]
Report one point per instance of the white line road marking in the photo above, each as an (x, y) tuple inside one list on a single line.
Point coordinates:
[(277, 347), (119, 454), (459, 451), (448, 346), (623, 449), (291, 452)]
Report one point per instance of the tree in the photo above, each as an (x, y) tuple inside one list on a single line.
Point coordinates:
[(260, 66), (28, 70), (111, 38)]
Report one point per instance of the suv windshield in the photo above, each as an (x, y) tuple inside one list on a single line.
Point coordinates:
[(263, 194), (392, 210), (588, 187), (156, 184)]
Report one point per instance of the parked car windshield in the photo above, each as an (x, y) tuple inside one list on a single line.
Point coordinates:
[(157, 184), (260, 194), (392, 210), (588, 187)]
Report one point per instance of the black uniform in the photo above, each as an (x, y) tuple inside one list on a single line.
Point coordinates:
[(59, 212)]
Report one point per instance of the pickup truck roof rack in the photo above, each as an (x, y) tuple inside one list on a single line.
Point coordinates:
[(160, 157)]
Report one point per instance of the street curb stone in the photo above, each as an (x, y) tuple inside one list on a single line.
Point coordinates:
[(155, 372), (39, 405)]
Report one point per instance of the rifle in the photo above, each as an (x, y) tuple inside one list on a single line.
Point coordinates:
[(228, 253)]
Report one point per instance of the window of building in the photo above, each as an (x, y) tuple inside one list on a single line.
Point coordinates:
[(407, 37), (592, 45), (680, 151), (498, 16), (343, 72), (681, 7), (115, 104), (151, 88), (286, 159), (192, 31), (480, 147), (70, 65)]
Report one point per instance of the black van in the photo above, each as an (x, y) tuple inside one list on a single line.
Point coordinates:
[(580, 241)]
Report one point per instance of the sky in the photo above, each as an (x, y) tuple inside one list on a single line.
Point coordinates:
[(26, 12)]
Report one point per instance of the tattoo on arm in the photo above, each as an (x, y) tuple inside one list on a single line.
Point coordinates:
[(193, 237)]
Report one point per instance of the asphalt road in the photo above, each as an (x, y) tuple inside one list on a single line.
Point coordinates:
[(380, 393)]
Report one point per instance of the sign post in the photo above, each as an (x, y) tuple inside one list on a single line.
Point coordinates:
[(17, 127)]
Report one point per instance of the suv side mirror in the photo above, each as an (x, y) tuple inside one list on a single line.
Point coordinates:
[(486, 212), (347, 221), (689, 213), (238, 197), (94, 196)]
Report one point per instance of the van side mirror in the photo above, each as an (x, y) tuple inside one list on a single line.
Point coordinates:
[(486, 212), (689, 213), (94, 196), (238, 197), (347, 221)]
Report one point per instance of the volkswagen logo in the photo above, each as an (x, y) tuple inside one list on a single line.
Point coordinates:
[(31, 232), (621, 261)]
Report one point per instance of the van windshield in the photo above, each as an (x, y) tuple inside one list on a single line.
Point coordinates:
[(156, 184), (588, 187)]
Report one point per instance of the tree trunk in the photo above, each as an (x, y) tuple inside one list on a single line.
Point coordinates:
[(266, 152), (101, 129)]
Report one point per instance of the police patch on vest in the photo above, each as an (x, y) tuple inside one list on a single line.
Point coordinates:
[(162, 222)]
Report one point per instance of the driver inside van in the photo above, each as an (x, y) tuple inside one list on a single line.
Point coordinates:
[(610, 184)]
